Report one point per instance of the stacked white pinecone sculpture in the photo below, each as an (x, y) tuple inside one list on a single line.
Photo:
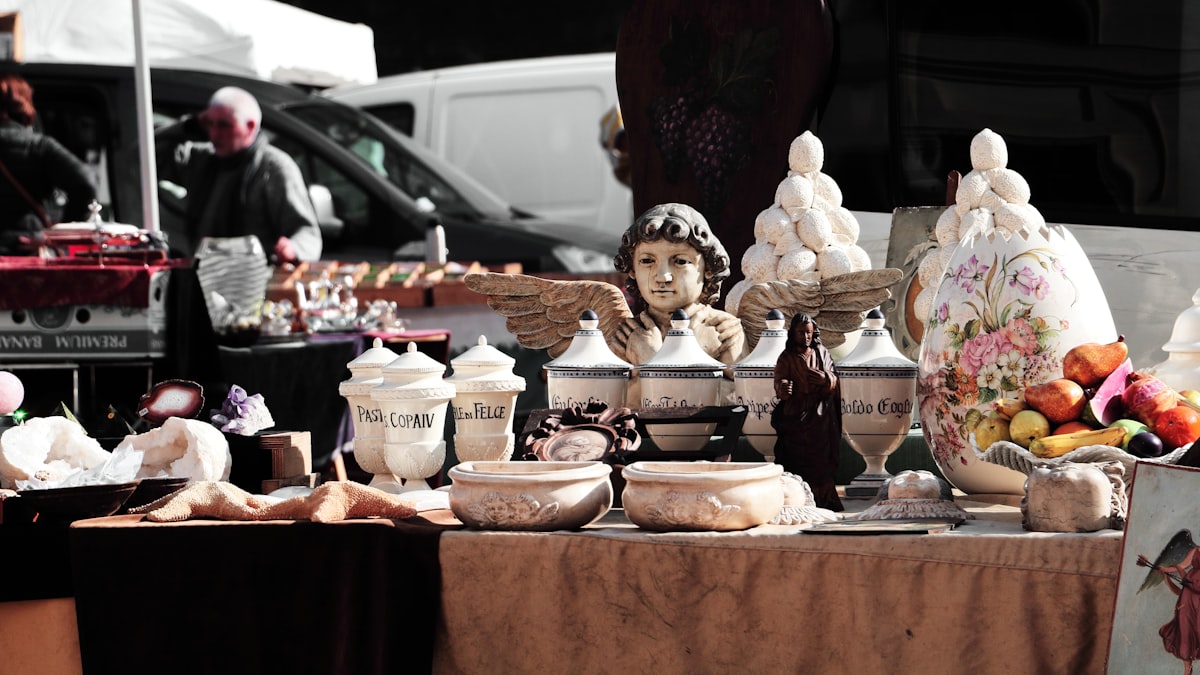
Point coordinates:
[(806, 233)]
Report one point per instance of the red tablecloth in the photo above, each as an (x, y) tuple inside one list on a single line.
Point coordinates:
[(36, 282)]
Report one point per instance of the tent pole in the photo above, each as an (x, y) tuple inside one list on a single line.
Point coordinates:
[(149, 170)]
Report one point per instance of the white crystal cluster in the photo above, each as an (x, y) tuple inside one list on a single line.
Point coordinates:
[(806, 233), (991, 199)]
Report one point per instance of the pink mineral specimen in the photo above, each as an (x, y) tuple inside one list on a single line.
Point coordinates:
[(171, 398)]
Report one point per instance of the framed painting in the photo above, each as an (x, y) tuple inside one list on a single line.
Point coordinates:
[(1156, 621)]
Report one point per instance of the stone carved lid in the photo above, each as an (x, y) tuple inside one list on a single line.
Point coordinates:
[(875, 348), (413, 375), (680, 349), (485, 368), (366, 369), (1185, 337), (771, 343), (588, 349)]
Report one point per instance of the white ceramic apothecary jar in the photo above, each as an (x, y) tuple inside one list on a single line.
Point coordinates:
[(412, 400), (754, 385), (366, 373), (1181, 370), (878, 398), (588, 371), (486, 394), (680, 375)]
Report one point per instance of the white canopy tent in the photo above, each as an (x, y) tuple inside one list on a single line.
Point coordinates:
[(255, 38)]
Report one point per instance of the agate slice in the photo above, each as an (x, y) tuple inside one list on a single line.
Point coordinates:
[(171, 398)]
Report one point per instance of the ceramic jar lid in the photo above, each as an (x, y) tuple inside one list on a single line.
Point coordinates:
[(485, 368), (1185, 337), (413, 375), (366, 370), (771, 343), (680, 349), (875, 348), (588, 349)]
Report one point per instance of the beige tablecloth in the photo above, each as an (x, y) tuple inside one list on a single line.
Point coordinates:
[(987, 597)]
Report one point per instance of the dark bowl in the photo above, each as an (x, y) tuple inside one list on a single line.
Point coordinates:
[(65, 505), (151, 489)]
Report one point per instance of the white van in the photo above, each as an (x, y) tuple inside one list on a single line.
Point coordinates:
[(527, 129)]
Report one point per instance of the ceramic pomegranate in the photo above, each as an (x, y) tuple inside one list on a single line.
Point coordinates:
[(1146, 396)]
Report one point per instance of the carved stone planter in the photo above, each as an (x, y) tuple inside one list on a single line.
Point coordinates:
[(701, 496), (534, 496)]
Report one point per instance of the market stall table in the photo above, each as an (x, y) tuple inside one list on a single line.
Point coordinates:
[(241, 597)]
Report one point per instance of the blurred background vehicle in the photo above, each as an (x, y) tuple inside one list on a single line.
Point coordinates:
[(527, 129), (375, 190)]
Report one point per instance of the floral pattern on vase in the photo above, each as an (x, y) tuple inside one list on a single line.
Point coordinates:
[(1005, 314)]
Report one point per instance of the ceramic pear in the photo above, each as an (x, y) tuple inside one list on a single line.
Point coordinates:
[(1091, 362)]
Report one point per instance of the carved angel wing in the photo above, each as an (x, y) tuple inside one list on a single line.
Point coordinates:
[(837, 304), (544, 313)]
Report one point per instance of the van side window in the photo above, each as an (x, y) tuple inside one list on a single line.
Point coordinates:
[(398, 115)]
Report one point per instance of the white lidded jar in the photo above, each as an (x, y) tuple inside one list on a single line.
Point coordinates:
[(878, 397), (486, 394), (412, 400), (366, 373), (681, 374), (1181, 370), (588, 371), (754, 385)]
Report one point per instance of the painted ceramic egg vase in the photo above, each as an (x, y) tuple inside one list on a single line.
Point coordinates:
[(1005, 313)]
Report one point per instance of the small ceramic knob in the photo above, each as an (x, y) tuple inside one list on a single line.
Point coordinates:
[(588, 320), (775, 320), (679, 319)]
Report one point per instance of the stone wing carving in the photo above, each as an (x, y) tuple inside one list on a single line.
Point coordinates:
[(837, 304), (544, 313)]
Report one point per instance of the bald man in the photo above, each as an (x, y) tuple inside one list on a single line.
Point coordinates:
[(240, 184)]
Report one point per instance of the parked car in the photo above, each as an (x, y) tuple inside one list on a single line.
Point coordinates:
[(375, 191), (528, 129)]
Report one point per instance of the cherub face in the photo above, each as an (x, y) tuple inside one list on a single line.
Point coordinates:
[(669, 275), (914, 485)]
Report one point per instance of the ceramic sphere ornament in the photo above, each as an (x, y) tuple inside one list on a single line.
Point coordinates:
[(1014, 297)]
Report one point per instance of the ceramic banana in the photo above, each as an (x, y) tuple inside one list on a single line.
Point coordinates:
[(1061, 444)]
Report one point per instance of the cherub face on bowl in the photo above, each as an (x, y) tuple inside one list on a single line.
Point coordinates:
[(918, 484)]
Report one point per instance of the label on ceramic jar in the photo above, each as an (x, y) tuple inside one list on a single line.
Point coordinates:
[(411, 420), (884, 406), (759, 409), (669, 402), (368, 415), (480, 411), (563, 402)]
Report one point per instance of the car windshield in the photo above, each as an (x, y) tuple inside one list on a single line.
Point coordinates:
[(405, 165)]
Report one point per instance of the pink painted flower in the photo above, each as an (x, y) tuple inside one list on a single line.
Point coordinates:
[(1029, 282), (981, 350), (1020, 334), (970, 273)]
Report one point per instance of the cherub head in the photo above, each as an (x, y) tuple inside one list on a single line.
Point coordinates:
[(652, 253)]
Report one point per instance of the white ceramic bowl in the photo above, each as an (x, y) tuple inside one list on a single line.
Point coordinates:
[(701, 496), (535, 496)]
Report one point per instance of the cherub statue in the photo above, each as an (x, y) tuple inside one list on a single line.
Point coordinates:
[(673, 261)]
